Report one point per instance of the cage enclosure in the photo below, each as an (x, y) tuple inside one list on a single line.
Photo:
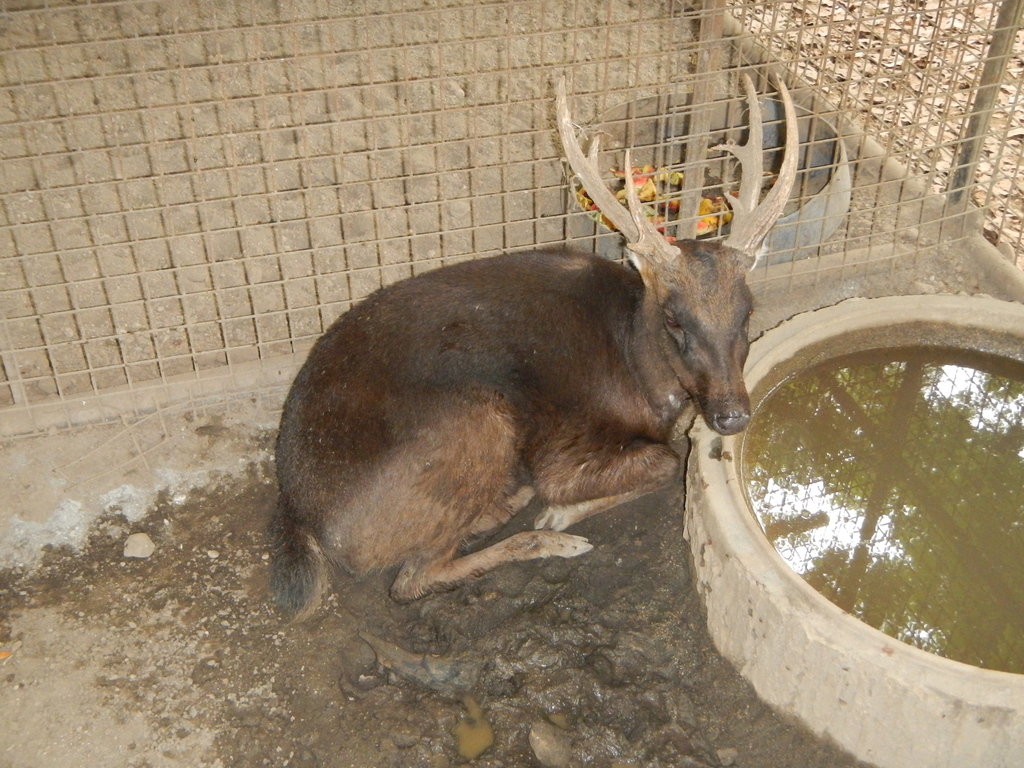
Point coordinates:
[(191, 193)]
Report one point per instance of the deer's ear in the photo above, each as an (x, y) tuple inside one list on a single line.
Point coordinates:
[(646, 268), (637, 262), (748, 260)]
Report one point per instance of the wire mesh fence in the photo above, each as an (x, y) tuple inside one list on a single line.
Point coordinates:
[(909, 74), (191, 192)]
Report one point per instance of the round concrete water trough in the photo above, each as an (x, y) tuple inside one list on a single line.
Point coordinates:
[(886, 702)]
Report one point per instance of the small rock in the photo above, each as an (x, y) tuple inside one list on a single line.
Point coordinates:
[(213, 554), (139, 545), (404, 737), (358, 668), (681, 708), (926, 288), (727, 756), (550, 745), (364, 683), (557, 718), (357, 657)]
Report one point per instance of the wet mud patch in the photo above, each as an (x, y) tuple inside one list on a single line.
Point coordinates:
[(178, 659)]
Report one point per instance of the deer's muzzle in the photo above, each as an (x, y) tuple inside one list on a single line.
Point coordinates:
[(729, 423)]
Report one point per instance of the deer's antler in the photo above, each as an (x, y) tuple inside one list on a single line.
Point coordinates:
[(642, 238), (751, 221)]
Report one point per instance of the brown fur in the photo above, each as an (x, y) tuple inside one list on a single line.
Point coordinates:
[(430, 413)]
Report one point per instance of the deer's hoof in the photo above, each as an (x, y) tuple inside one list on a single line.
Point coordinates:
[(552, 519), (569, 545)]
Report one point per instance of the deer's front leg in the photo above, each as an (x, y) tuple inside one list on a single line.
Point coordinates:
[(586, 477), (558, 518)]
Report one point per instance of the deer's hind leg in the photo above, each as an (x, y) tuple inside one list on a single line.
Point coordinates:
[(581, 477), (469, 482), (421, 576)]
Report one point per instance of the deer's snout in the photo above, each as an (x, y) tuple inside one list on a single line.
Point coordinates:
[(726, 408), (730, 423)]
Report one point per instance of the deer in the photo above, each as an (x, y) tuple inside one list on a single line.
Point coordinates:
[(439, 407)]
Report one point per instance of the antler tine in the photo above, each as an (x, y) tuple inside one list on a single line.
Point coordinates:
[(649, 242), (586, 170), (752, 221), (641, 236)]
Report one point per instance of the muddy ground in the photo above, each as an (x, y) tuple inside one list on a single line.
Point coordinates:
[(178, 660)]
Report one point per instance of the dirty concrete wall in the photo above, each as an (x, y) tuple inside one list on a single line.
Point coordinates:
[(191, 192), (195, 186)]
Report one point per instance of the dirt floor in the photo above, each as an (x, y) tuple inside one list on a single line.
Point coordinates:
[(178, 660)]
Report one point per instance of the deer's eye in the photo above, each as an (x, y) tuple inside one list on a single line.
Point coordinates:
[(671, 321)]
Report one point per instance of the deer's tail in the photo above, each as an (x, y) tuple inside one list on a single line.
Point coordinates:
[(298, 565)]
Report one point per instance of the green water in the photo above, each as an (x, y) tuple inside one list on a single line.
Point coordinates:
[(893, 482)]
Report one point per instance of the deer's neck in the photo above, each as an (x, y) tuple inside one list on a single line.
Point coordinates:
[(654, 361)]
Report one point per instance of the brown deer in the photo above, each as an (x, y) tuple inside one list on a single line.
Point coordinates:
[(432, 412)]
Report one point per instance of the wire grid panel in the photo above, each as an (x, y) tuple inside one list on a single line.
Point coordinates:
[(908, 75), (191, 192), (196, 186)]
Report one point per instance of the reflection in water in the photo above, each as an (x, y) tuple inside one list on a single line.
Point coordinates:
[(893, 482)]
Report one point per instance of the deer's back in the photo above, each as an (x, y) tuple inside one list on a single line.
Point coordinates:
[(547, 332)]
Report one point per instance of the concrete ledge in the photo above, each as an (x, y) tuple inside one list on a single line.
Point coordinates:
[(271, 376), (886, 702)]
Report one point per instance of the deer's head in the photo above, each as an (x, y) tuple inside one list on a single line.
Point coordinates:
[(695, 291)]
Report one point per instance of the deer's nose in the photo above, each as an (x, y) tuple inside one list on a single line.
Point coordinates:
[(730, 423)]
